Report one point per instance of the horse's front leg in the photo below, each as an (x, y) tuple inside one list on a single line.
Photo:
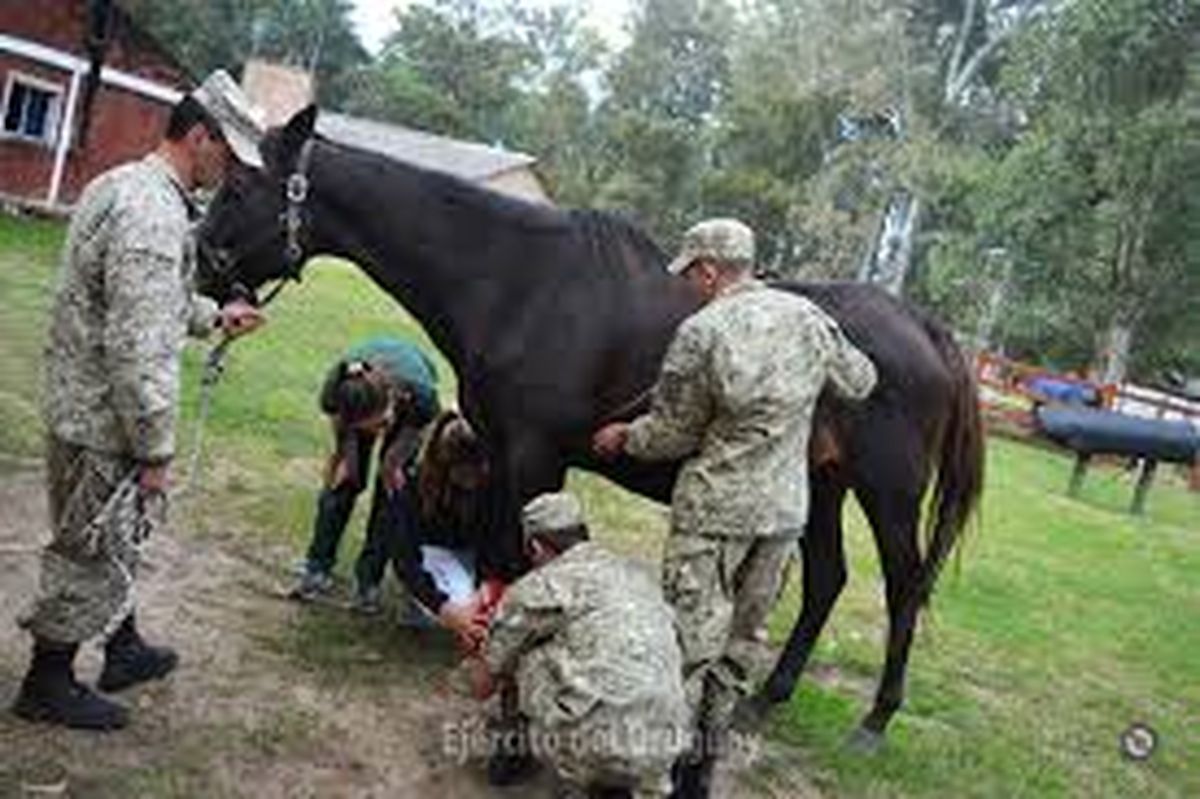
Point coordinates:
[(523, 467)]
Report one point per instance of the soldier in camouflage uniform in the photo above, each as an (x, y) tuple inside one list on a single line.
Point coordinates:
[(123, 306), (592, 648), (735, 400)]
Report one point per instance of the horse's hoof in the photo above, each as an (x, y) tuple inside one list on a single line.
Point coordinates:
[(865, 742)]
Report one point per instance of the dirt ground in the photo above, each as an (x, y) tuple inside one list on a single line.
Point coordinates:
[(272, 699)]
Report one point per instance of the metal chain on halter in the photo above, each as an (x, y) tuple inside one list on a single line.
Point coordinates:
[(296, 192), (630, 407)]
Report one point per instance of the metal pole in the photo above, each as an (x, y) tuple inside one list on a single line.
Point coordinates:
[(1081, 466), (1145, 480), (66, 133)]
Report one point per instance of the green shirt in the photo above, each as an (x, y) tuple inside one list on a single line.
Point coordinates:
[(404, 363)]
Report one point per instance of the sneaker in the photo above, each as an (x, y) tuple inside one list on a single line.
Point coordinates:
[(369, 601), (312, 584)]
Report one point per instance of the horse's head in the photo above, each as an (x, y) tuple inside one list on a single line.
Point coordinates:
[(253, 231)]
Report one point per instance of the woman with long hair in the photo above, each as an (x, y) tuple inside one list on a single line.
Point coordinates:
[(438, 526), (383, 389)]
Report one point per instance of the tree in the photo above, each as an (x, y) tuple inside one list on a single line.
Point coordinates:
[(450, 68), (554, 116), (314, 34), (1105, 82), (664, 89)]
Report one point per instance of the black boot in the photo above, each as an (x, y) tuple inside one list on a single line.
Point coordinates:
[(128, 660), (50, 692), (692, 778), (511, 761)]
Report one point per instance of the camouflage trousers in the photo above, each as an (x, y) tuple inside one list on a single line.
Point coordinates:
[(99, 520), (721, 589)]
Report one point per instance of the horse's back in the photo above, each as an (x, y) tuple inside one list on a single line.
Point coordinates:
[(907, 346)]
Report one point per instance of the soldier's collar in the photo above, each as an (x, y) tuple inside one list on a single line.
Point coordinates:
[(160, 164), (740, 287)]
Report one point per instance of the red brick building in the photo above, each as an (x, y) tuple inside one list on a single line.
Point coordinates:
[(43, 67)]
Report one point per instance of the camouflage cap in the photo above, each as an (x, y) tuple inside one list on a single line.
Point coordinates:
[(239, 121), (550, 513), (725, 240)]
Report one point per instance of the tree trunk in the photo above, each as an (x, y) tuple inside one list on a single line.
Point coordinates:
[(1114, 351), (1129, 266), (988, 320), (890, 258)]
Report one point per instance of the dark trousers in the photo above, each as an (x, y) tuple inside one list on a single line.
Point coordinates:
[(335, 504)]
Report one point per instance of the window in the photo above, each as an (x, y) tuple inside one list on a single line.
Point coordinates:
[(31, 109)]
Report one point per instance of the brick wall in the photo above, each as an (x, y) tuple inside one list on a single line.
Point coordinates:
[(61, 24), (124, 125)]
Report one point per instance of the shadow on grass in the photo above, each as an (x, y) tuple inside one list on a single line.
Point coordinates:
[(338, 647)]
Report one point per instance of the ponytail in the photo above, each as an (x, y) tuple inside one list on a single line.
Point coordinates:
[(361, 392)]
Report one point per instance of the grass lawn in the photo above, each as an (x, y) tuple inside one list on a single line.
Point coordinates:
[(1063, 622)]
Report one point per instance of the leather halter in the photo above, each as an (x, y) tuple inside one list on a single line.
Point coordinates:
[(295, 193)]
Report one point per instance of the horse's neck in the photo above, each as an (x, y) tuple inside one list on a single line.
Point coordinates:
[(466, 268), (379, 214)]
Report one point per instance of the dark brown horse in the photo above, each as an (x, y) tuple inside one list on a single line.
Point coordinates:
[(557, 320)]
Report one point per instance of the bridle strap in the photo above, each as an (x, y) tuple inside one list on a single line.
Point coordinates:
[(296, 189)]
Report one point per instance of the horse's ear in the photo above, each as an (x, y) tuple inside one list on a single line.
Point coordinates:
[(298, 130)]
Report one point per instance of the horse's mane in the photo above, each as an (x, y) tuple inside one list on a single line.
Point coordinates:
[(613, 238), (610, 237), (507, 209)]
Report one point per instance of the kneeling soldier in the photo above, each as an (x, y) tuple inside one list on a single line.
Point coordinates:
[(592, 650)]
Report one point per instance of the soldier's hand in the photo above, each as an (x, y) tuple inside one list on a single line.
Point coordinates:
[(154, 479), (480, 677), (609, 441), (239, 317)]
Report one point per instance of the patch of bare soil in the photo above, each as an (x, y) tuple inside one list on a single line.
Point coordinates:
[(271, 699)]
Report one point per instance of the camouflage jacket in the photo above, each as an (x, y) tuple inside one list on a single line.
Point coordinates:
[(591, 640), (123, 306), (735, 399)]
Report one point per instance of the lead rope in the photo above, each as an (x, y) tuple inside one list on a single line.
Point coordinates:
[(296, 190), (630, 407), (214, 367)]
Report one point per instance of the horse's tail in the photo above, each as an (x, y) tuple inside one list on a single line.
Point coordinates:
[(960, 462)]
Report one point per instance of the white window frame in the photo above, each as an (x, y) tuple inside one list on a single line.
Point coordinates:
[(53, 114)]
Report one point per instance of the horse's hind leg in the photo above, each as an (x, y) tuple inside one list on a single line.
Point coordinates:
[(824, 564), (894, 515)]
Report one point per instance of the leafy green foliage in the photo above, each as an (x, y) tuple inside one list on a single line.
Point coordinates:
[(1052, 144), (444, 69), (209, 34)]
